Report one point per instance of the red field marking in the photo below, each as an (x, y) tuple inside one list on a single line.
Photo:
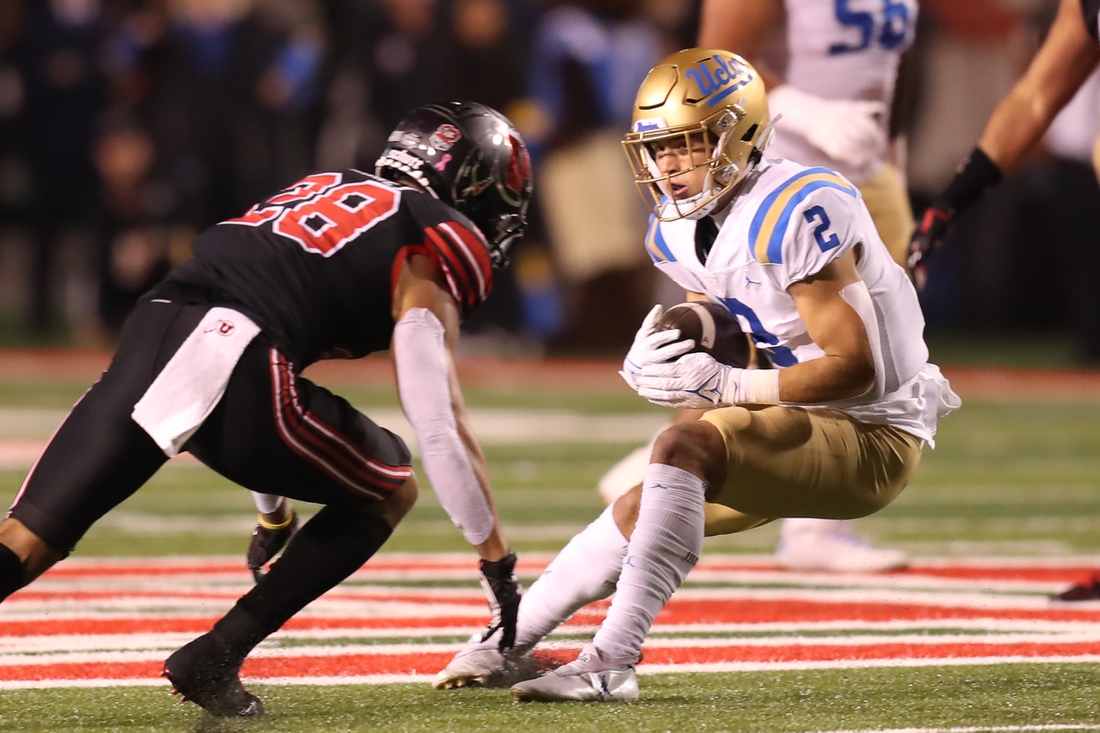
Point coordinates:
[(533, 565), (35, 594), (756, 610), (91, 568), (346, 665), (76, 588), (135, 625), (832, 653), (183, 624), (82, 671), (679, 612), (356, 665), (1037, 573), (1030, 574)]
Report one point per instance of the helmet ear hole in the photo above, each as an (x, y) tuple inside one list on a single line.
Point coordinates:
[(749, 134), (726, 173)]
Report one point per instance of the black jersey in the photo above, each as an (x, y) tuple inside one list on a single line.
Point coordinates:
[(1091, 9), (315, 265)]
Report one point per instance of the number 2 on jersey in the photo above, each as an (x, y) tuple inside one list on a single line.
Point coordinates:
[(892, 34), (816, 213)]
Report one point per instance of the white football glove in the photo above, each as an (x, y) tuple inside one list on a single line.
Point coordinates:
[(699, 382), (695, 381), (652, 347), (845, 130)]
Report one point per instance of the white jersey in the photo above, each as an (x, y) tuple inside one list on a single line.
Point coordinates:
[(788, 223), (839, 49)]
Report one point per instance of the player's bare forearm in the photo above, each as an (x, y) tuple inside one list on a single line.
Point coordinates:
[(848, 367), (1065, 60)]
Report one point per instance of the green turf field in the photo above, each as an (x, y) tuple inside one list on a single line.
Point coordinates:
[(928, 698), (1009, 478)]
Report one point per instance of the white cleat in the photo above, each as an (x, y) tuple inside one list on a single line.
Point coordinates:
[(481, 664), (586, 679), (837, 550)]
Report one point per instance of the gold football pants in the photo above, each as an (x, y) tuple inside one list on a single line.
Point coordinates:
[(888, 203), (805, 462)]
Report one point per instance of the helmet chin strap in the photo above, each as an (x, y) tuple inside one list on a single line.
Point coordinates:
[(723, 197)]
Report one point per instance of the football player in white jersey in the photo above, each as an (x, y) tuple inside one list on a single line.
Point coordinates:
[(830, 69), (834, 431)]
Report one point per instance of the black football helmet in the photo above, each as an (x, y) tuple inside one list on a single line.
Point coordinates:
[(468, 156)]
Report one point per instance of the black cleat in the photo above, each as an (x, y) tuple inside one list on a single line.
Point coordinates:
[(202, 673), (1088, 590), (267, 543)]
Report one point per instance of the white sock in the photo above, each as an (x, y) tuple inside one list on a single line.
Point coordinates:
[(584, 571), (266, 503), (665, 546)]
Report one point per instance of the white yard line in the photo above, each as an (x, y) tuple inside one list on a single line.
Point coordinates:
[(645, 669), (156, 647), (1000, 631)]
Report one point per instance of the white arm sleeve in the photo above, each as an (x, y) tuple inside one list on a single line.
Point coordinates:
[(424, 387), (859, 298)]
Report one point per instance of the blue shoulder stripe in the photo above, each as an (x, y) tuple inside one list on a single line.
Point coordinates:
[(769, 225)]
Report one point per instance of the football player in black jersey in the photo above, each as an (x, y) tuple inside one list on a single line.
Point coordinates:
[(341, 264), (1068, 56)]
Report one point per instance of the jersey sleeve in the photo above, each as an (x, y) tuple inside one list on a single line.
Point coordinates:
[(462, 253), (804, 224), (457, 247)]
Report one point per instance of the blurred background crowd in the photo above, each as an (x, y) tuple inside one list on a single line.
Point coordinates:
[(127, 126)]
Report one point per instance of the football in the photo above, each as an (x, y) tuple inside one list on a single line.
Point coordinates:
[(712, 327)]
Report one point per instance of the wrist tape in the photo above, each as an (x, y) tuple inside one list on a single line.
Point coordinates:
[(977, 173)]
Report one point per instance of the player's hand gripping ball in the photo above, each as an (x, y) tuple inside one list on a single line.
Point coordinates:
[(712, 327)]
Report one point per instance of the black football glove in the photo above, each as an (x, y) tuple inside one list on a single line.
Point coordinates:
[(927, 238), (266, 544), (503, 591)]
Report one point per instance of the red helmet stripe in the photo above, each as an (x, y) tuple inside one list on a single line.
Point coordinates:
[(519, 165)]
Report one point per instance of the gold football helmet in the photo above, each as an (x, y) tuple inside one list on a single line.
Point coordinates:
[(698, 92)]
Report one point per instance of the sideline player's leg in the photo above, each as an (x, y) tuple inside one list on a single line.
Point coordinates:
[(832, 545), (758, 464), (276, 433)]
